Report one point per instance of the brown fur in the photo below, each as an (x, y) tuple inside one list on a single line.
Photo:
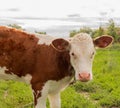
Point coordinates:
[(21, 54)]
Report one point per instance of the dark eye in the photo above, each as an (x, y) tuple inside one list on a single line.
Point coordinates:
[(72, 54)]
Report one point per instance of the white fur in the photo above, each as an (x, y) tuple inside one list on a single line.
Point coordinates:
[(54, 100), (44, 39), (52, 90), (12, 76), (83, 48), (27, 78)]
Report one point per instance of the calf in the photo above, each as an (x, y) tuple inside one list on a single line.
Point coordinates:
[(48, 64)]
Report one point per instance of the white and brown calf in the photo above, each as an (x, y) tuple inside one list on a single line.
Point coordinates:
[(46, 63)]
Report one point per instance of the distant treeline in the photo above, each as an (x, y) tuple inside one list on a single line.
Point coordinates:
[(20, 28), (110, 29)]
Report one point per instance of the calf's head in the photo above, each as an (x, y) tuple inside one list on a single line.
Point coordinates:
[(81, 49)]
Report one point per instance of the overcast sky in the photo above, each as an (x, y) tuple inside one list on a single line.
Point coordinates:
[(59, 8)]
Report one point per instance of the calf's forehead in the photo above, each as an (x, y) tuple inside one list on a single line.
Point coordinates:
[(83, 42)]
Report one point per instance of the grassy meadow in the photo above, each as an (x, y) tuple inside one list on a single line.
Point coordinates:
[(102, 92)]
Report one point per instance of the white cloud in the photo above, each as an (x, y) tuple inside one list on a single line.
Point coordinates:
[(60, 8)]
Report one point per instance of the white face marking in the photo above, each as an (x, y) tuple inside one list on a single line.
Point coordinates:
[(82, 54), (12, 76), (44, 39)]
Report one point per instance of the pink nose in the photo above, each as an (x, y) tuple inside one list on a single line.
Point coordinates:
[(84, 77)]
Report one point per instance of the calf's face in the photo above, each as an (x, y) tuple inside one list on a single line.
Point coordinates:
[(82, 50), (82, 53)]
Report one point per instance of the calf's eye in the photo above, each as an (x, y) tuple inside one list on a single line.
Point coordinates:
[(72, 54)]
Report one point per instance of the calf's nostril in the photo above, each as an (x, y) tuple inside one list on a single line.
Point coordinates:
[(88, 76), (84, 76)]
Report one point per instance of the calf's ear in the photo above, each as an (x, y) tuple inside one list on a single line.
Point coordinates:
[(60, 45), (103, 41)]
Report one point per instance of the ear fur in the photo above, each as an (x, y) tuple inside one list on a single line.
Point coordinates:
[(103, 41), (60, 45)]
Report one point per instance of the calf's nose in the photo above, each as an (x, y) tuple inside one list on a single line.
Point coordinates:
[(84, 76)]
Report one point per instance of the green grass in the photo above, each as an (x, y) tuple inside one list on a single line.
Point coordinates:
[(102, 92), (14, 94)]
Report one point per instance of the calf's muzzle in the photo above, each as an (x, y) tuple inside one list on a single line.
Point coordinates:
[(84, 76)]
